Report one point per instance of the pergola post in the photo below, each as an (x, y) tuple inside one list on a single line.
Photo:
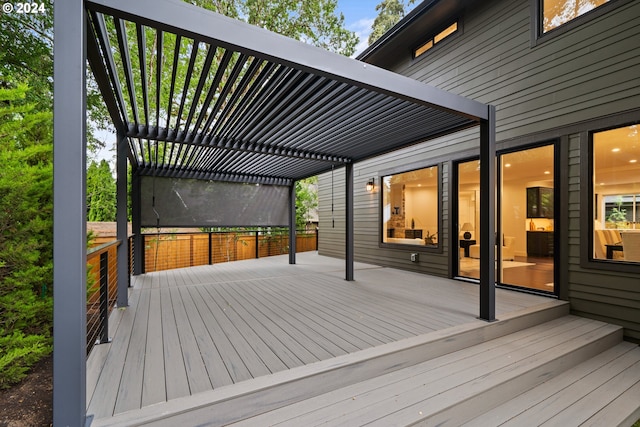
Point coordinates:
[(292, 223), (121, 221), (69, 215), (349, 247), (488, 216), (136, 225)]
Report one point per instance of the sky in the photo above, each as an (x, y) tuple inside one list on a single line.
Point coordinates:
[(359, 16)]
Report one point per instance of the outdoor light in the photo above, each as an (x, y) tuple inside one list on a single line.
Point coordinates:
[(466, 227), (371, 185)]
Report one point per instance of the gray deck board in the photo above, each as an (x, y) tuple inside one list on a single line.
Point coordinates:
[(197, 375), (130, 390), (153, 384), (176, 382), (313, 342), (287, 347), (197, 329)]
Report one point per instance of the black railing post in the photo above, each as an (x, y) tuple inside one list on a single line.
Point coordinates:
[(104, 297), (210, 250), (257, 245), (317, 238), (142, 251), (130, 261)]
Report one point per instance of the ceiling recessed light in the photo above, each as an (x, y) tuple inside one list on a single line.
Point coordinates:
[(547, 172), (507, 165), (615, 150), (602, 183), (633, 161)]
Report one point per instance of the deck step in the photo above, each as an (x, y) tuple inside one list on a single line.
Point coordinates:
[(229, 404), (461, 386), (604, 390)]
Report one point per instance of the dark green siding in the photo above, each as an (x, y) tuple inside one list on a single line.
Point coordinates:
[(558, 89)]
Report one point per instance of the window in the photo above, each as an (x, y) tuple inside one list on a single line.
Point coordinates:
[(410, 207), (558, 12), (616, 194), (451, 29)]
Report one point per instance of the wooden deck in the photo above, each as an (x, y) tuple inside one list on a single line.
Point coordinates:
[(198, 329)]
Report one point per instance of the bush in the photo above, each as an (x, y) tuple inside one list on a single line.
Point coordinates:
[(19, 352), (26, 236)]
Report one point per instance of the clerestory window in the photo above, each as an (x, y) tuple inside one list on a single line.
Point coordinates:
[(431, 42)]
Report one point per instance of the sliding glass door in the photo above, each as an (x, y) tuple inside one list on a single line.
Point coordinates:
[(525, 242), (527, 212), (468, 240)]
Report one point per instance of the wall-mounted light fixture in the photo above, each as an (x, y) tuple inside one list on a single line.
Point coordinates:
[(371, 185)]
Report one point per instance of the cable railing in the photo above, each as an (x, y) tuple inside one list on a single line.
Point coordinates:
[(102, 291), (166, 251)]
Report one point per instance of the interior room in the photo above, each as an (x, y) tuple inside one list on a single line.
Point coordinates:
[(410, 207), (616, 195)]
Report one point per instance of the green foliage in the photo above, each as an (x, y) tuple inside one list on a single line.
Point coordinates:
[(390, 12), (313, 21), (101, 192), (18, 353), (306, 200), (26, 233)]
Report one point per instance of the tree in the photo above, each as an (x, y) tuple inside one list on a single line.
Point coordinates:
[(26, 208), (312, 21), (390, 12), (101, 192), (306, 200)]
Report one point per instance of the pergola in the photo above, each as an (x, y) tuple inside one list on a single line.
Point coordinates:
[(251, 107)]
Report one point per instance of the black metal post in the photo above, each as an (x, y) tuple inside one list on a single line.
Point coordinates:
[(210, 250), (136, 225), (122, 221), (104, 297), (348, 208), (257, 245), (142, 253), (488, 216), (69, 214), (292, 223)]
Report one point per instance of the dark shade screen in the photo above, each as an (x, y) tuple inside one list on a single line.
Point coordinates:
[(173, 202)]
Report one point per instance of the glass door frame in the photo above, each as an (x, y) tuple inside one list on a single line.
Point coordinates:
[(455, 209)]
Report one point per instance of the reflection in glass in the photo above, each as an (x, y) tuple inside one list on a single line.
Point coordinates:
[(558, 12)]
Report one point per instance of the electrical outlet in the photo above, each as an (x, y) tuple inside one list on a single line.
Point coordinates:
[(414, 257)]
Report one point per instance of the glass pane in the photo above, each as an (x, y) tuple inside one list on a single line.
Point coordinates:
[(425, 47), (411, 207), (468, 219), (558, 12), (527, 213), (616, 197), (446, 33)]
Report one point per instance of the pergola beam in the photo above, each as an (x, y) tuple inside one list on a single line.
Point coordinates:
[(201, 140), (190, 20)]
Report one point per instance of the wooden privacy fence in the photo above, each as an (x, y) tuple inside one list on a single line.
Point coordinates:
[(166, 251)]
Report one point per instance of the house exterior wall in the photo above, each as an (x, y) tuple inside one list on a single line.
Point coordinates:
[(556, 89)]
